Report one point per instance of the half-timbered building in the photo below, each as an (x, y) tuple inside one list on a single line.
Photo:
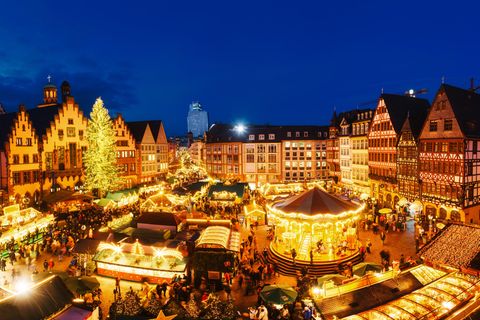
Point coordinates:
[(450, 157), (384, 131), (407, 155)]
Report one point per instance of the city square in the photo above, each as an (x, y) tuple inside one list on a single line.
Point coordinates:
[(200, 161)]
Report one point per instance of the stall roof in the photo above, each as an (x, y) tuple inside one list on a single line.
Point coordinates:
[(104, 202), (455, 238), (59, 196), (238, 188), (159, 218), (191, 188), (41, 301), (315, 201), (73, 313), (221, 237)]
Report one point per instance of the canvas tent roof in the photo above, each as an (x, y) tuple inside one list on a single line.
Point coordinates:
[(41, 301), (315, 201)]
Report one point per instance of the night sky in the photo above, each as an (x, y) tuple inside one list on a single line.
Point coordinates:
[(263, 62)]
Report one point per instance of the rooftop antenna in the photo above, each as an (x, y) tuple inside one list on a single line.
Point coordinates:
[(49, 78), (472, 85), (443, 79), (381, 91)]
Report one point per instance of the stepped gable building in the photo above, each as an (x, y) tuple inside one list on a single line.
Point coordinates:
[(408, 167), (126, 159), (42, 148), (152, 149), (161, 142), (359, 151), (383, 136), (449, 153), (19, 158), (260, 154), (61, 128)]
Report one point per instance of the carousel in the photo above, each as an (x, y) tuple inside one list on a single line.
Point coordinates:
[(315, 222)]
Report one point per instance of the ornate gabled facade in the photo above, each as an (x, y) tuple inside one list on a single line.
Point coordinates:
[(408, 178), (126, 159), (61, 129), (383, 136), (449, 153), (146, 151), (359, 151), (19, 158), (161, 147)]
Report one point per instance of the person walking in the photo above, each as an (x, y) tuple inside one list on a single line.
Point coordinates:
[(294, 255), (383, 236), (369, 246), (311, 256)]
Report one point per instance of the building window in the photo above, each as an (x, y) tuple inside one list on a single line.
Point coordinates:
[(16, 159), (26, 158), (261, 137), (35, 176), (26, 177), (70, 132), (35, 158), (305, 134), (289, 134), (28, 141), (60, 134), (297, 134), (433, 126), (447, 125), (251, 137), (271, 136), (80, 134), (19, 141), (16, 178), (70, 121)]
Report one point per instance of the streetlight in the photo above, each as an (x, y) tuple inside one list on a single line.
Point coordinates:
[(239, 128)]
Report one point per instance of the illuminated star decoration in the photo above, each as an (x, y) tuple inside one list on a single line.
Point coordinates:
[(162, 316)]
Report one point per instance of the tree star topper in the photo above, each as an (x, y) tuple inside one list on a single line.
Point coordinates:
[(162, 316)]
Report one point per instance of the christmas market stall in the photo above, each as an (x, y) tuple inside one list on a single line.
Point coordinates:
[(227, 193), (136, 262), (315, 222), (160, 221), (17, 224), (156, 202), (123, 197), (215, 252)]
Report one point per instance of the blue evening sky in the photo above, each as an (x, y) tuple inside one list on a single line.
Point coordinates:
[(275, 62)]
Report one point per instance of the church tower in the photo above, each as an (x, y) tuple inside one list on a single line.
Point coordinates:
[(49, 94)]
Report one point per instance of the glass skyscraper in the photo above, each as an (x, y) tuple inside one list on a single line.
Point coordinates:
[(197, 119)]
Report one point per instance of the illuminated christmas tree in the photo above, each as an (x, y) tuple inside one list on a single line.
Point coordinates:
[(101, 171)]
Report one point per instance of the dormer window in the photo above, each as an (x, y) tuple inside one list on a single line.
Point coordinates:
[(251, 137), (289, 134), (271, 136), (305, 134), (297, 134), (261, 137)]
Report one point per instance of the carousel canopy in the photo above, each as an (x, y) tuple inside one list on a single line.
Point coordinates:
[(315, 201)]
